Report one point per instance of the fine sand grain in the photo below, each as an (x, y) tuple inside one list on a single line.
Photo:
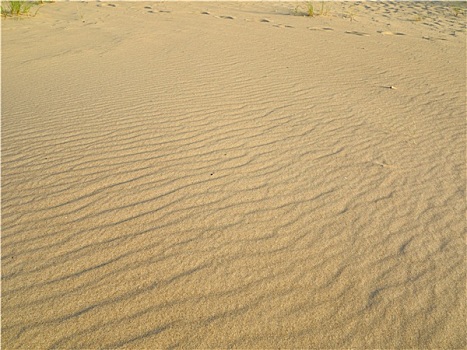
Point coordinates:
[(234, 175)]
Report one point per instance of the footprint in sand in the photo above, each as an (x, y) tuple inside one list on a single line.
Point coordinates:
[(429, 38), (389, 33), (150, 10), (321, 28), (112, 5), (226, 17), (264, 20), (282, 26), (205, 13), (354, 32)]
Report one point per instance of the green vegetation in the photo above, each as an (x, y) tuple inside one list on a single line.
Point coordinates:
[(310, 10), (17, 8), (324, 10)]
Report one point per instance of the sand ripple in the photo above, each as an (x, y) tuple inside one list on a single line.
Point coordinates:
[(182, 185)]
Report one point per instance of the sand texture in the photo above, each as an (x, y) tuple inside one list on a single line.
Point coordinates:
[(234, 175)]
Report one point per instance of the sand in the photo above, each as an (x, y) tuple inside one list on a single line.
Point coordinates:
[(234, 175)]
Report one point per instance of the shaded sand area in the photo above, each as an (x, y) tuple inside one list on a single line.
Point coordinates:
[(213, 175)]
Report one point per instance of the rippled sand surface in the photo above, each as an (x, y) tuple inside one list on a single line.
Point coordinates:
[(234, 175)]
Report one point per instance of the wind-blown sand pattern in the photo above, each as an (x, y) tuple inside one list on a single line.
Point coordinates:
[(232, 175)]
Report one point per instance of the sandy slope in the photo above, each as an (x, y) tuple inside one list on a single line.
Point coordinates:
[(212, 175)]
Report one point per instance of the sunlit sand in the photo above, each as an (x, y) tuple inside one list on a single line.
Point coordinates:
[(234, 175)]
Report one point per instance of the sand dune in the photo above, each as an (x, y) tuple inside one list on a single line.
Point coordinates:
[(234, 175)]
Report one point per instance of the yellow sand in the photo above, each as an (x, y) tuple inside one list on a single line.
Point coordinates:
[(234, 175)]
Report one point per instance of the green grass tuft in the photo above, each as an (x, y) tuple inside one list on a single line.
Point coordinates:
[(17, 8), (310, 10)]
